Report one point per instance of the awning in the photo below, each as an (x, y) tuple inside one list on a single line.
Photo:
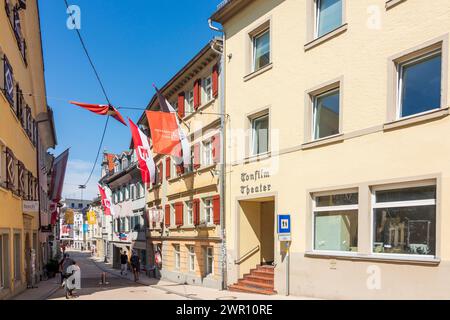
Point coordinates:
[(141, 245)]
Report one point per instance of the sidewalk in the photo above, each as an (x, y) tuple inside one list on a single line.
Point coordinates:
[(190, 291), (44, 290)]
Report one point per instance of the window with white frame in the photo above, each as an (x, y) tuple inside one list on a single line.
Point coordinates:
[(209, 261), (4, 263), (326, 114), (260, 135), (177, 256), (328, 16), (419, 84), (207, 89), (208, 210), (336, 222), (207, 153), (261, 50), (189, 213), (189, 102), (404, 220), (191, 258), (17, 256)]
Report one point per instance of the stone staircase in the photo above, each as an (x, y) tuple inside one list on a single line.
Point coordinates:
[(260, 281)]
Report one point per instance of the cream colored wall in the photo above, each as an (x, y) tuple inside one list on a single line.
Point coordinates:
[(359, 55)]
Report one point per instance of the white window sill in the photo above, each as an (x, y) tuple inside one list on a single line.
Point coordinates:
[(392, 3), (258, 72), (416, 119), (337, 138), (387, 258), (326, 37)]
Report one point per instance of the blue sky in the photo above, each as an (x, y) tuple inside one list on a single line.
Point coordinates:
[(133, 44)]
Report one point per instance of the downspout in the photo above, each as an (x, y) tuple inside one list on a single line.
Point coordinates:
[(223, 254)]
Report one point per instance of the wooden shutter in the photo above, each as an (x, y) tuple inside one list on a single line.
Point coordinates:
[(167, 217), (10, 170), (181, 100), (215, 81), (196, 156), (30, 186), (196, 211), (216, 148), (168, 163), (20, 179), (160, 173), (216, 209), (179, 214), (197, 93)]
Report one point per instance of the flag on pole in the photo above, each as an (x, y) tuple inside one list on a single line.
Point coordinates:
[(106, 196), (58, 175), (181, 150), (145, 158), (102, 109)]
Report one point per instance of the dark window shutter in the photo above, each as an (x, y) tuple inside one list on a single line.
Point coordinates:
[(216, 148), (181, 99), (167, 218), (197, 156), (168, 168), (179, 214), (160, 173), (197, 93), (215, 81), (216, 209), (196, 208)]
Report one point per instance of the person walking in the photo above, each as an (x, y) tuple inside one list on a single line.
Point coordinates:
[(124, 263), (135, 266), (65, 263), (73, 281)]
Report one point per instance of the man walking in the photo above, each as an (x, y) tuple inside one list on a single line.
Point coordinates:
[(135, 266), (124, 263)]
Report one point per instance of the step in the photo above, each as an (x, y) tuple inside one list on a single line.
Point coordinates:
[(239, 288), (269, 270), (259, 279), (257, 285), (262, 274)]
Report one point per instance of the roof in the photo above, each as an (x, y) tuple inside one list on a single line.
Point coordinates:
[(227, 9)]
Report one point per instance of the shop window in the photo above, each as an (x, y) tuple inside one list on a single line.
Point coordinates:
[(209, 261), (17, 257), (4, 260), (328, 16), (336, 222), (419, 84), (191, 258), (177, 255), (405, 221)]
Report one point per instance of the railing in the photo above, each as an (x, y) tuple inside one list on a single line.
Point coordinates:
[(247, 255)]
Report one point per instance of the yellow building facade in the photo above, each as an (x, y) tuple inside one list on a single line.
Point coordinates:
[(339, 117), (187, 235), (25, 127)]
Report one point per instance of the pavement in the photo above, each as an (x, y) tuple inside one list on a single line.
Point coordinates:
[(121, 287)]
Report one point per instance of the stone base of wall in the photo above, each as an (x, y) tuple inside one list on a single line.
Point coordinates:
[(185, 278)]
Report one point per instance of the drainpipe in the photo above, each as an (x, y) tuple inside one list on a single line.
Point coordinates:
[(222, 157)]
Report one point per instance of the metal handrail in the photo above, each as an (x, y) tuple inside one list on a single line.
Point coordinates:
[(247, 255)]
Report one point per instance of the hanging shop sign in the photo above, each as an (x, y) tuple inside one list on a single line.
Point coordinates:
[(30, 206)]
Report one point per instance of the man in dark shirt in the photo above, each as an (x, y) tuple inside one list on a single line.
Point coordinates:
[(135, 266), (124, 263)]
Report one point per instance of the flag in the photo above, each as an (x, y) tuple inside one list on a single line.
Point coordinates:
[(143, 153), (106, 196), (58, 175), (182, 151), (69, 217), (164, 130), (91, 218), (102, 109)]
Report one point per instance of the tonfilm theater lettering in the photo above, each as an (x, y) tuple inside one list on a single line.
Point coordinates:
[(250, 182)]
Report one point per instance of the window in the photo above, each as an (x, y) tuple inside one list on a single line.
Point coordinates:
[(328, 16), (419, 84), (189, 213), (191, 256), (405, 220), (208, 207), (17, 257), (189, 102), (207, 89), (4, 263), (132, 192), (207, 153), (209, 259), (177, 253), (326, 109), (336, 222), (261, 50), (260, 135), (80, 206), (72, 205)]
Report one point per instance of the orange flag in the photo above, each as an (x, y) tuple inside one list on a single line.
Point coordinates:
[(164, 132)]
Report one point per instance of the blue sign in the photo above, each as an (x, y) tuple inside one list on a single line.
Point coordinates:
[(284, 224)]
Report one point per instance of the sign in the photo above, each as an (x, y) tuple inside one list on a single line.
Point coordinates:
[(284, 227), (255, 182), (30, 206)]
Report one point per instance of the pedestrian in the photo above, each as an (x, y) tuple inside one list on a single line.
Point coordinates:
[(135, 266), (65, 263), (124, 263), (73, 281)]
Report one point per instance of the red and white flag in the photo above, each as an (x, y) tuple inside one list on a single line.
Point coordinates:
[(102, 109), (145, 158), (106, 196)]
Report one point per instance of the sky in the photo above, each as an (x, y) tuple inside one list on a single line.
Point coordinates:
[(133, 44)]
